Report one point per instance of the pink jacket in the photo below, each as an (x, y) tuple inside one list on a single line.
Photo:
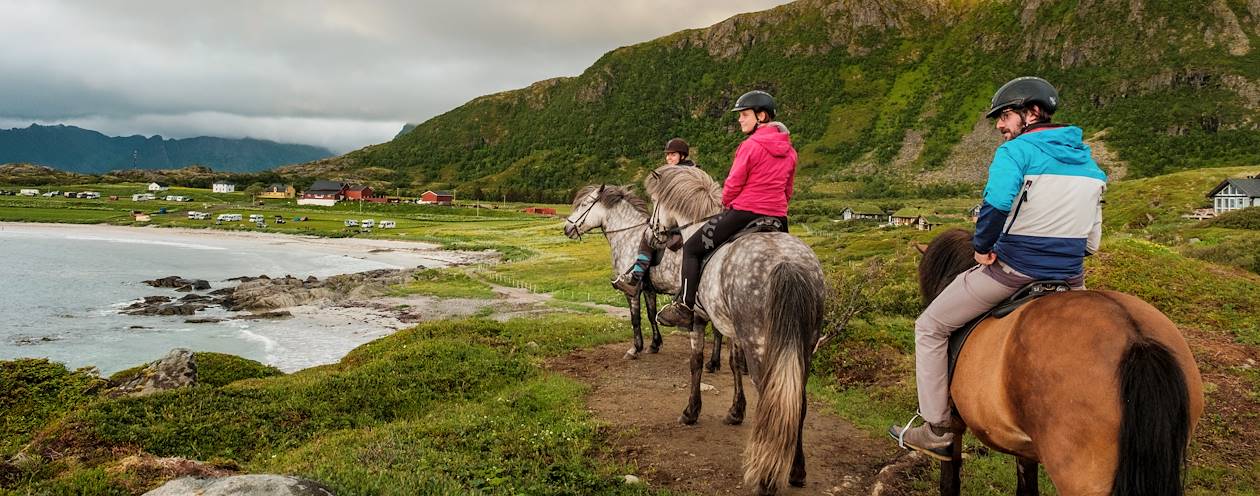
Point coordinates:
[(761, 176)]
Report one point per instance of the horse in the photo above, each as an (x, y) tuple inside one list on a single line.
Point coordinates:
[(1097, 386), (622, 216), (765, 291)]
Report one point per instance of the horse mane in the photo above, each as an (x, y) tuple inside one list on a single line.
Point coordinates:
[(687, 191), (948, 255), (611, 195)]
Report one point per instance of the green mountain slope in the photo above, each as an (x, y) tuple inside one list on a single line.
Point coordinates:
[(895, 87)]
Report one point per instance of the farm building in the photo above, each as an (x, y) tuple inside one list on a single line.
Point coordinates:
[(437, 198), (323, 193), (158, 187), (278, 191), (223, 187)]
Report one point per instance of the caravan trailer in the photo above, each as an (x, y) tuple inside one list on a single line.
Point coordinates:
[(388, 224), (229, 217)]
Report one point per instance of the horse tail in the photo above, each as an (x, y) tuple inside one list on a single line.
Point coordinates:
[(795, 315), (1155, 426)]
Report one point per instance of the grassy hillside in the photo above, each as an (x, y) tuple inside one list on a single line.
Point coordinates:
[(892, 87)]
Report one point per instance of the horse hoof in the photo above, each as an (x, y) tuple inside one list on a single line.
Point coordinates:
[(685, 420), (655, 349), (712, 367), (797, 483), (732, 420), (630, 355)]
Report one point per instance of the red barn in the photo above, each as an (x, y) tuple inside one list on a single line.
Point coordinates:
[(437, 198), (540, 211), (358, 192)]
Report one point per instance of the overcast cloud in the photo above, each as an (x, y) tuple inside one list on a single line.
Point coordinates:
[(337, 74)]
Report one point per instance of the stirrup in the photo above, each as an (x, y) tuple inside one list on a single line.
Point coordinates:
[(901, 436)]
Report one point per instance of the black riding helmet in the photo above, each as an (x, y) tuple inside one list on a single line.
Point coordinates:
[(1021, 92), (679, 146), (758, 101)]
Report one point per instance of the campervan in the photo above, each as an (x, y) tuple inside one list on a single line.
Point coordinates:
[(230, 217), (256, 218), (387, 224), (368, 223), (351, 223)]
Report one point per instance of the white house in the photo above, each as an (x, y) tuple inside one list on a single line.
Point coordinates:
[(1235, 193), (28, 192), (223, 187), (158, 187)]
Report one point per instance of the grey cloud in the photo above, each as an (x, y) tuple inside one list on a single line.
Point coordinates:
[(359, 67)]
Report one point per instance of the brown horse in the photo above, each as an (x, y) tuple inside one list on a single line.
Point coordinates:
[(1097, 386)]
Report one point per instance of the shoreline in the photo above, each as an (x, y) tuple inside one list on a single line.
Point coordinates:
[(343, 325), (344, 246)]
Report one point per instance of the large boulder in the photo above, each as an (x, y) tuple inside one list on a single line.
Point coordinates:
[(242, 485), (177, 282), (176, 370)]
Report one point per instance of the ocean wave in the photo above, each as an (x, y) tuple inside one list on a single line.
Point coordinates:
[(269, 345)]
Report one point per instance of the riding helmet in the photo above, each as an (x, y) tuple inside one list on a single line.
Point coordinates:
[(1023, 91), (757, 100), (679, 146)]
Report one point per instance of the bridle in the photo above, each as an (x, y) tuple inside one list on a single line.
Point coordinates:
[(582, 218)]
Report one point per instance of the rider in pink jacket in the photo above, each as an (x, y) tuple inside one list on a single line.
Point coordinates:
[(759, 185)]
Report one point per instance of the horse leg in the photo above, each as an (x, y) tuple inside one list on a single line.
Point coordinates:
[(649, 300), (715, 360), (692, 413), (797, 477), (736, 415), (951, 471), (636, 321), (1026, 477)]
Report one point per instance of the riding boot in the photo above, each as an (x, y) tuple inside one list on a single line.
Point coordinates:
[(675, 314), (631, 282), (628, 284), (934, 440)]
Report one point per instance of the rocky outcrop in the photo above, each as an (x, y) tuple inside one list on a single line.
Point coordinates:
[(177, 369), (162, 305), (266, 293), (179, 283), (243, 485)]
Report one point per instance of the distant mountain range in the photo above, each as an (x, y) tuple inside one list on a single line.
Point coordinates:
[(81, 150)]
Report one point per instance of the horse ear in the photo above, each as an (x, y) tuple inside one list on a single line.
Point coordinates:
[(921, 247)]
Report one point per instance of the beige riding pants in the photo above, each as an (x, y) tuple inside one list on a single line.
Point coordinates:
[(970, 294)]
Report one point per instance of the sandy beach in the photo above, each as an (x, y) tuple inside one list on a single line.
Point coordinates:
[(72, 282)]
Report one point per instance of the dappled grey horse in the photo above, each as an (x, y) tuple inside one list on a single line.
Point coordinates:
[(766, 292), (622, 216)]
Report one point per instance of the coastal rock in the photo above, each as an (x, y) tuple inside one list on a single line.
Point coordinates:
[(179, 283), (279, 314), (206, 320), (243, 485), (162, 305), (263, 293), (176, 370)]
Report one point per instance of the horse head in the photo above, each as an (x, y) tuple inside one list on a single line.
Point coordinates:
[(948, 255), (682, 196), (597, 205)]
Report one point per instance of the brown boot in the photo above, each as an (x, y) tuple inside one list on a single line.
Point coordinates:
[(675, 315), (626, 284), (932, 440)]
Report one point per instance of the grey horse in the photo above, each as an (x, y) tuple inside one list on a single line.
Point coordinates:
[(766, 292), (622, 216)]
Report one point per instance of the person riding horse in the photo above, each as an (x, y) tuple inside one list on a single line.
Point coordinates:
[(676, 153), (759, 185), (1041, 216)]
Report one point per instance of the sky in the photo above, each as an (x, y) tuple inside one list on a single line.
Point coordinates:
[(341, 75)]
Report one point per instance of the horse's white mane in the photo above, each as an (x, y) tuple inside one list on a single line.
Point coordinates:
[(688, 192)]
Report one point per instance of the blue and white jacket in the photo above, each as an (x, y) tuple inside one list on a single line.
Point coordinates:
[(1047, 177)]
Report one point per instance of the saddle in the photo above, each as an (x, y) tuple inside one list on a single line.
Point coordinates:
[(1030, 292)]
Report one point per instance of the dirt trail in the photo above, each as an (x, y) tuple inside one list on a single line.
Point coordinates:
[(640, 402)]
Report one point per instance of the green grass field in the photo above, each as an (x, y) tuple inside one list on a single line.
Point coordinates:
[(418, 394)]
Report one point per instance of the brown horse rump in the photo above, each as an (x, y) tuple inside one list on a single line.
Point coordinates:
[(1029, 292)]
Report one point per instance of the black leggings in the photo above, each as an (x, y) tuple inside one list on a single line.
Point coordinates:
[(713, 234)]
